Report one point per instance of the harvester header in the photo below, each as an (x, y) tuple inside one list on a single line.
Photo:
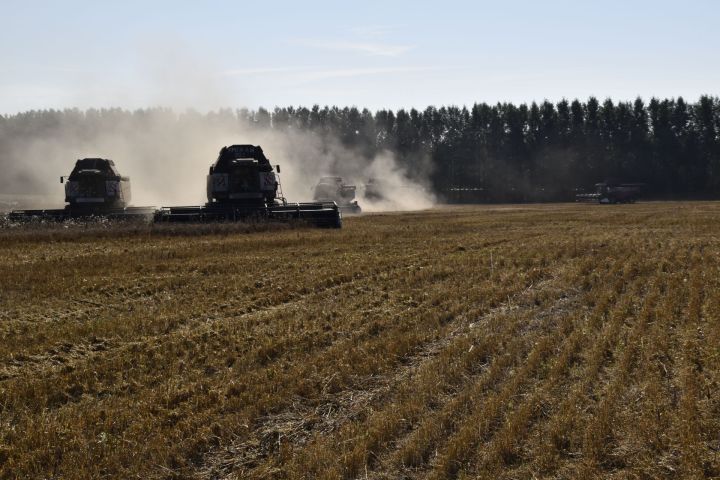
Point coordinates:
[(241, 185)]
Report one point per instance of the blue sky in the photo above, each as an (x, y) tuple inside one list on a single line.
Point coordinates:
[(375, 54)]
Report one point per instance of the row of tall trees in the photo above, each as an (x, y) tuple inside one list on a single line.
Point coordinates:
[(540, 151)]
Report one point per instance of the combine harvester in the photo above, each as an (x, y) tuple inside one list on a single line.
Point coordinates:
[(374, 190), (242, 185), (611, 193), (333, 189), (94, 188)]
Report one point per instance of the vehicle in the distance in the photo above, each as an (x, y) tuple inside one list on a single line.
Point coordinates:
[(612, 192), (334, 189)]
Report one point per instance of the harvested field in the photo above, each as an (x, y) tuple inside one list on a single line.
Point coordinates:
[(564, 341)]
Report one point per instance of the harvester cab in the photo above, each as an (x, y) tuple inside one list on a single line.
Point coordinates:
[(619, 192), (96, 181), (333, 189), (243, 175)]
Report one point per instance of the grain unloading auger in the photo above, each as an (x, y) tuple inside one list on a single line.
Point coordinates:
[(94, 188), (242, 185)]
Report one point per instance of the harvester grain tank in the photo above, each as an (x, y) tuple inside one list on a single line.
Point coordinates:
[(333, 189), (612, 192), (94, 188), (242, 185)]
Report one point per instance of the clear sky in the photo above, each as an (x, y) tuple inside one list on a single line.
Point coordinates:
[(375, 54)]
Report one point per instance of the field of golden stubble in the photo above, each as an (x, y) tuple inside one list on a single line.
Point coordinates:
[(556, 341)]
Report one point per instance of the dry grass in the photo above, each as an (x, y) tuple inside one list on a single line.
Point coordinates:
[(490, 342), (40, 231)]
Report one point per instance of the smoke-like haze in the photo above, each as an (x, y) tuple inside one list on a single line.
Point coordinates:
[(167, 155), (398, 191)]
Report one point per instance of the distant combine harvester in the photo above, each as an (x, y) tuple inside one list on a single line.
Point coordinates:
[(612, 192)]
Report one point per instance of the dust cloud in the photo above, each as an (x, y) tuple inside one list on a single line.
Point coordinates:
[(167, 154), (395, 189)]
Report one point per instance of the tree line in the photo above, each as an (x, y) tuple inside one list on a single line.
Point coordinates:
[(502, 152)]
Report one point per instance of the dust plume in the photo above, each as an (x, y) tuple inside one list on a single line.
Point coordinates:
[(393, 189), (167, 154), (306, 156)]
